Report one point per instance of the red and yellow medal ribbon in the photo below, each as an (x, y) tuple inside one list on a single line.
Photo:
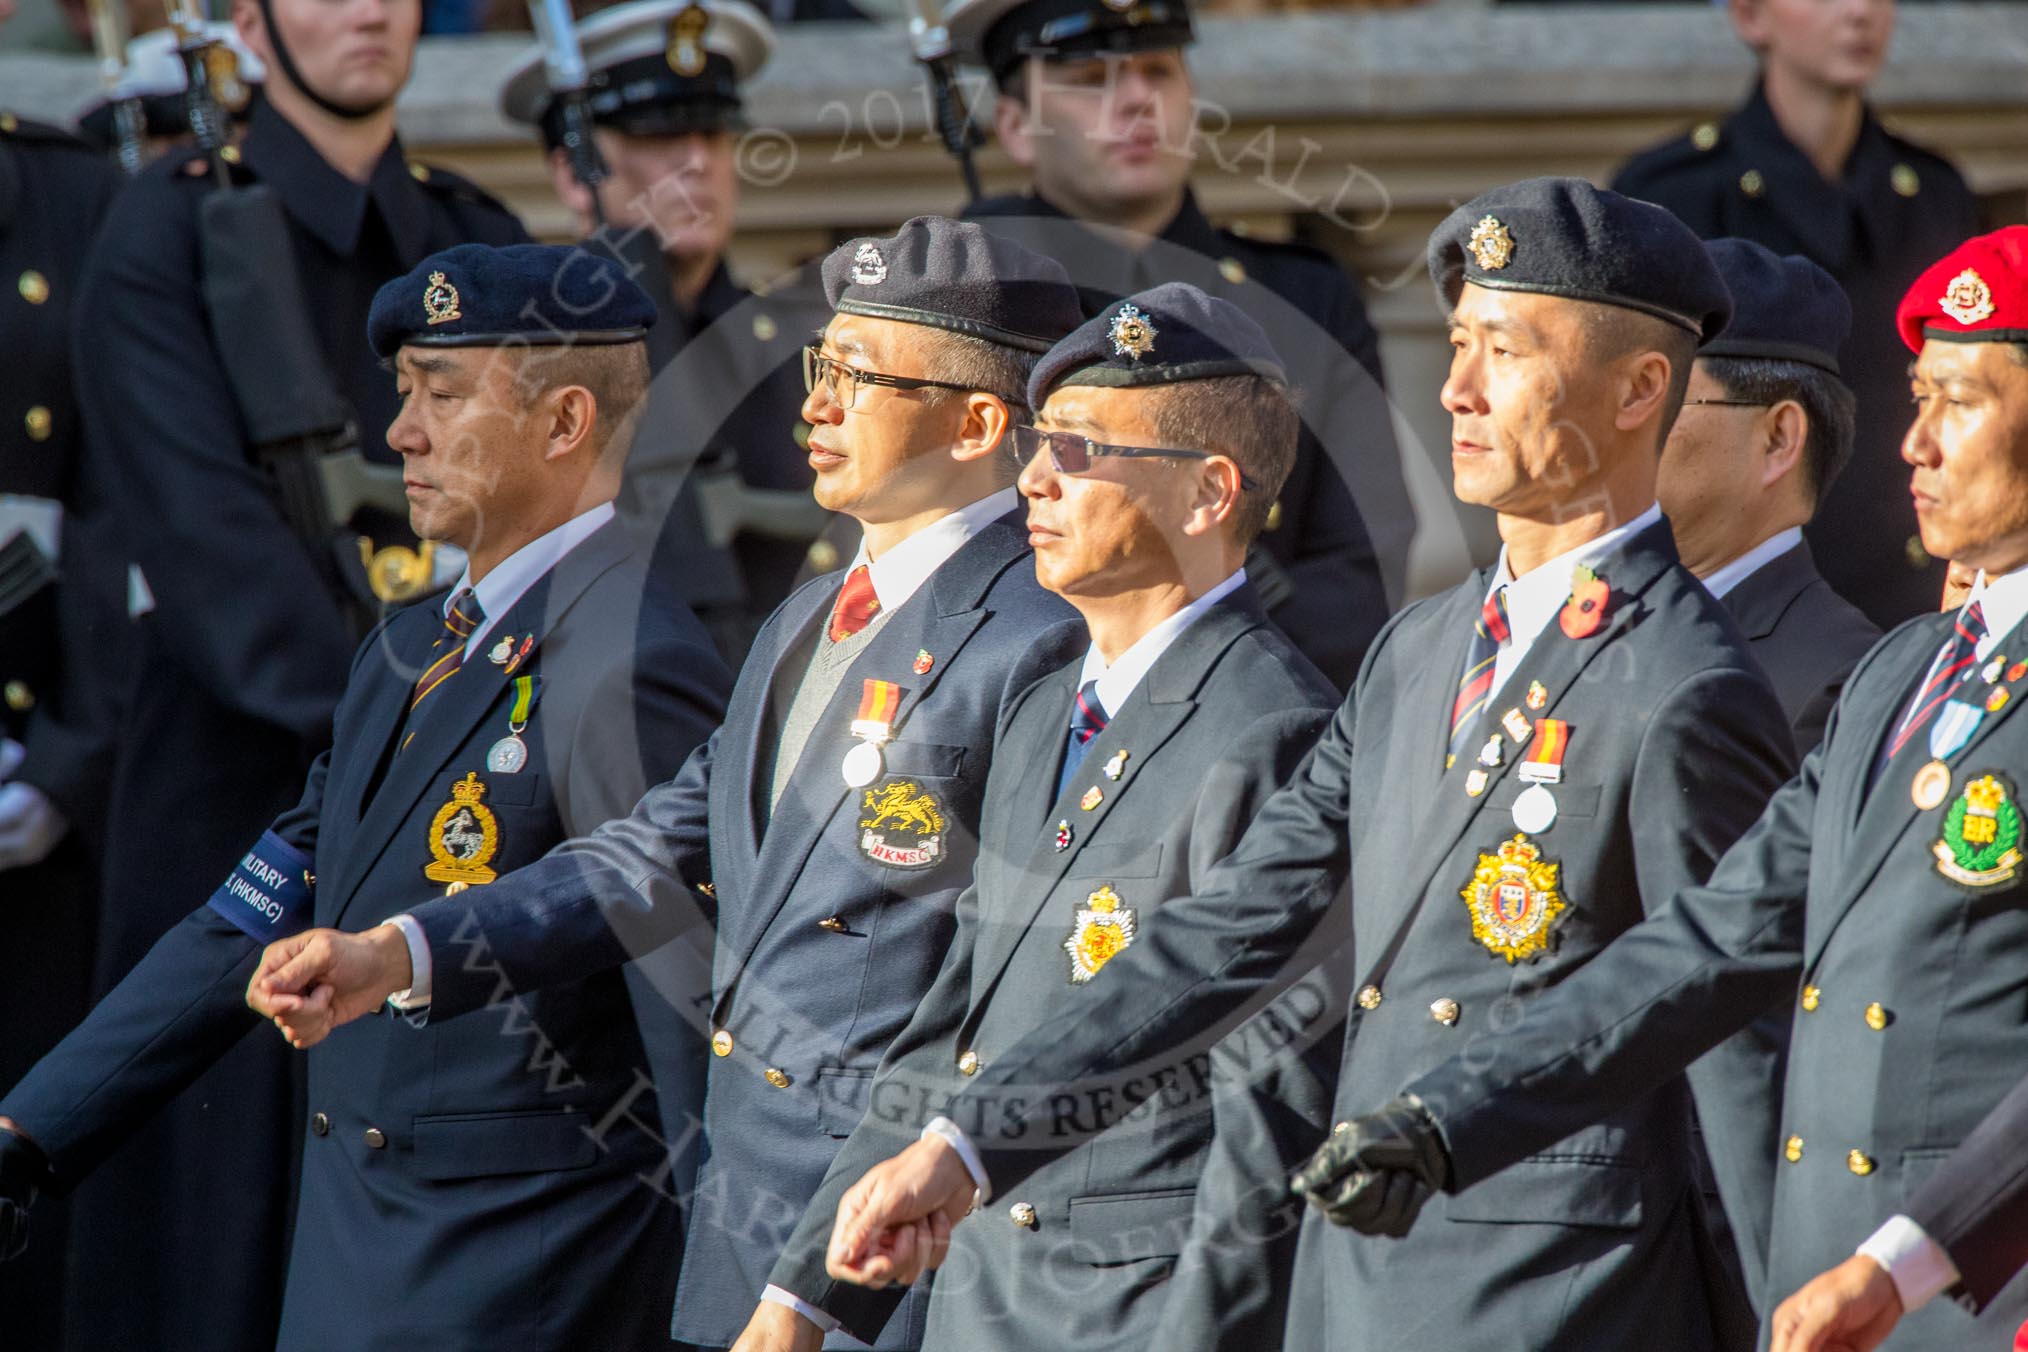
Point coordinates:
[(1545, 754), (878, 703)]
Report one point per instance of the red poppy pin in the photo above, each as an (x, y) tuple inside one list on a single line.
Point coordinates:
[(923, 661), (1585, 611)]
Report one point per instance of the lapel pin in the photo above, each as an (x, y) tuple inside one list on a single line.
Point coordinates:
[(1538, 695), (1116, 766), (502, 650), (1062, 836), (1093, 796), (1517, 725), (923, 662)]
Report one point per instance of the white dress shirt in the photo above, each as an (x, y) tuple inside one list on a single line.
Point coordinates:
[(1746, 565), (1535, 599), (1117, 682)]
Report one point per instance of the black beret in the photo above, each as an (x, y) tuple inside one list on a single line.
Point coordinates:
[(523, 295), (1788, 309), (958, 276), (1565, 237), (1002, 34), (1162, 336)]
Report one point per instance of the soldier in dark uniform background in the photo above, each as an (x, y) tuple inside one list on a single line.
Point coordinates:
[(725, 412), (1096, 104), (243, 649), (1766, 430), (1805, 168), (55, 594)]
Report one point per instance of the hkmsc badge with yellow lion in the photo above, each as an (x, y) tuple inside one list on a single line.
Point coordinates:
[(1981, 841), (903, 826), (1514, 900)]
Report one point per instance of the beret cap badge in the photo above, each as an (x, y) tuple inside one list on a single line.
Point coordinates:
[(1491, 244), (1968, 299), (868, 267), (440, 300), (1132, 334), (686, 40)]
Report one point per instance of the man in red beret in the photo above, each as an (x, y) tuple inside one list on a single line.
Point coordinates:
[(1881, 895)]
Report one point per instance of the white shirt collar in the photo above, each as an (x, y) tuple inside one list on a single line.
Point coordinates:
[(1534, 600), (1117, 682), (511, 578), (2004, 601), (902, 570), (1753, 560)]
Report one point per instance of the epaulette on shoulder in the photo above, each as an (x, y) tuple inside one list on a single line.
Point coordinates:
[(27, 131), (1692, 147), (443, 181)]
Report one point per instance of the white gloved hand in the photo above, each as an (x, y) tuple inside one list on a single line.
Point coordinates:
[(30, 825)]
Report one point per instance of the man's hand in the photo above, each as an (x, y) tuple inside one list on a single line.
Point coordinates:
[(895, 1223), (777, 1328), (30, 825), (310, 983), (24, 1171), (1851, 1308), (1375, 1172)]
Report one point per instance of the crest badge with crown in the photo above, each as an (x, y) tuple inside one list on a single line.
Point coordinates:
[(1981, 841)]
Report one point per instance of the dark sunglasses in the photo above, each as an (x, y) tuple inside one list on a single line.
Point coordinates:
[(1070, 453)]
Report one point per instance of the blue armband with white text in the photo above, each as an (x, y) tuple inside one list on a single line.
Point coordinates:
[(268, 895)]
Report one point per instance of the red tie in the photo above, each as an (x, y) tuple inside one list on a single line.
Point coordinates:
[(856, 605)]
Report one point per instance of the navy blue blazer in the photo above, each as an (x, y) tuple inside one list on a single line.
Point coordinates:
[(465, 1185), (831, 915), (1675, 742)]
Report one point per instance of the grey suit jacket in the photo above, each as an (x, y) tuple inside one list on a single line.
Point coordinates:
[(1082, 1254), (1805, 636), (1675, 742), (1910, 1020)]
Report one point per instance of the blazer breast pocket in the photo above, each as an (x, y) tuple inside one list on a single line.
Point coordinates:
[(1555, 1190), (450, 1146), (523, 789), (923, 760), (1117, 861), (1578, 802)]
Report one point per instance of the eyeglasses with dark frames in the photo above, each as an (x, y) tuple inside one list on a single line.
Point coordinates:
[(1728, 403), (1070, 453), (843, 382)]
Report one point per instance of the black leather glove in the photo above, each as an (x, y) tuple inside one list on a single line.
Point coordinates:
[(1375, 1172), (24, 1171)]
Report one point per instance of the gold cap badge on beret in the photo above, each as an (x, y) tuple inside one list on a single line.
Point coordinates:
[(1132, 334), (1491, 244), (1968, 299), (440, 300), (686, 40)]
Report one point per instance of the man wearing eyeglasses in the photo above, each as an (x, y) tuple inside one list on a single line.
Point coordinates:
[(1096, 104), (1164, 429), (1766, 428), (826, 830)]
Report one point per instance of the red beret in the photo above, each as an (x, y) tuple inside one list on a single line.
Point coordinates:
[(1976, 293)]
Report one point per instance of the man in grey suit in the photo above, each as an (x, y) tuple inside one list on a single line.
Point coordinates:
[(1528, 763), (1164, 431), (1881, 893), (1765, 429)]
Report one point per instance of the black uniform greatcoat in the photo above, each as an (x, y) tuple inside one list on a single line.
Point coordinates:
[(1896, 209)]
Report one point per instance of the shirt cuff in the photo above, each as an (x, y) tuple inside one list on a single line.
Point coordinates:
[(954, 1136), (777, 1296), (418, 993), (1917, 1264)]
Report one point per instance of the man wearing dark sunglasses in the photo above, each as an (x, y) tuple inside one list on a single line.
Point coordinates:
[(810, 856), (1163, 430), (1766, 427), (1097, 105)]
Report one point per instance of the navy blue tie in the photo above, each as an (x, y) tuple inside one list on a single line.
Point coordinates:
[(1087, 720)]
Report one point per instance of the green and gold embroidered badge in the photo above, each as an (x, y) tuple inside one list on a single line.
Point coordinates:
[(1981, 844)]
